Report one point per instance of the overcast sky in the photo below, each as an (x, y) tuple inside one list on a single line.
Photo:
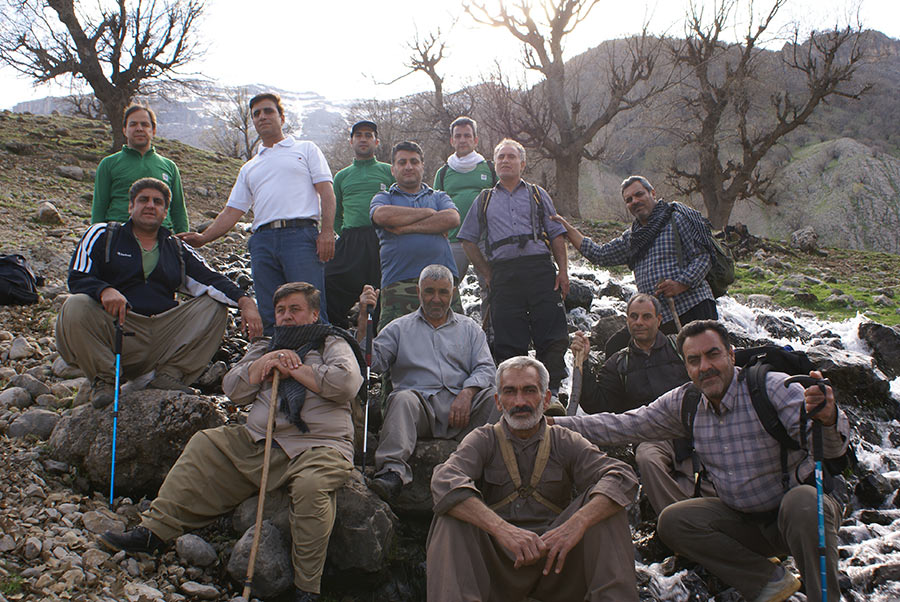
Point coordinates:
[(341, 48)]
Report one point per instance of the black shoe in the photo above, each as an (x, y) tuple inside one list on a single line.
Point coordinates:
[(302, 596), (102, 393), (386, 485), (139, 539), (167, 382)]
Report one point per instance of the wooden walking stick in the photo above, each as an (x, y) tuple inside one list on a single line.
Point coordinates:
[(577, 377), (675, 317), (270, 426)]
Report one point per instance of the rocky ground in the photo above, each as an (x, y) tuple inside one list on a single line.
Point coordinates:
[(52, 509)]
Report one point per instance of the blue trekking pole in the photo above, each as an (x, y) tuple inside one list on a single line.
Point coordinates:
[(120, 333), (370, 334), (818, 456)]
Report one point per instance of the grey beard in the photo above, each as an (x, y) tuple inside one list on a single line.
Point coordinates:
[(518, 423)]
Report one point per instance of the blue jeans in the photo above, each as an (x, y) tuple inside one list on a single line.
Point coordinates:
[(284, 255)]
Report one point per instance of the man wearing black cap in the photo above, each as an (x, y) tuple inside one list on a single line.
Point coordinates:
[(356, 261)]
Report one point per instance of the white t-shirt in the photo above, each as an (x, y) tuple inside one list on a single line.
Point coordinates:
[(278, 183)]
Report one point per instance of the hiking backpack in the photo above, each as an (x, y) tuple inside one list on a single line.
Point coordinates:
[(484, 199), (757, 362), (721, 271), (18, 285)]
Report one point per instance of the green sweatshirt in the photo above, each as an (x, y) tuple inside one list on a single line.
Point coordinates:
[(354, 187), (463, 188), (115, 175)]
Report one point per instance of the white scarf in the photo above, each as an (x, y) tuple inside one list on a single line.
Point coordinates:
[(464, 164)]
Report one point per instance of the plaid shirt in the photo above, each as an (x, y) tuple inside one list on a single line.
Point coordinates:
[(661, 262), (741, 458)]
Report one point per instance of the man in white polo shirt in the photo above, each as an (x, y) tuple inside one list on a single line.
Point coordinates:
[(288, 186)]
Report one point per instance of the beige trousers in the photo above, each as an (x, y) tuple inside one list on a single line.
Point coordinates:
[(736, 547), (222, 467), (179, 342)]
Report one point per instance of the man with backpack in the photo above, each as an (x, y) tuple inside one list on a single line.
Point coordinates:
[(465, 174), (669, 247), (525, 289), (765, 506), (633, 377), (129, 273)]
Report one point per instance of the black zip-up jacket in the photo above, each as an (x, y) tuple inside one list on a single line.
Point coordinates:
[(624, 384), (90, 273)]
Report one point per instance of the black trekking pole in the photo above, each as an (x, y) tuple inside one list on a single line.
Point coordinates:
[(370, 334), (819, 457)]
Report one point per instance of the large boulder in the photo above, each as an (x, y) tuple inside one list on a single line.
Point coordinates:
[(415, 498), (885, 344), (855, 378), (273, 572), (805, 239), (580, 295), (153, 428), (606, 326), (363, 530)]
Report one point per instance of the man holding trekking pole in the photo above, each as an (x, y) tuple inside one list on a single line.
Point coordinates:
[(129, 273), (765, 506), (320, 374)]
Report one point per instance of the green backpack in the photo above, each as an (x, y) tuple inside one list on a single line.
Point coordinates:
[(721, 272)]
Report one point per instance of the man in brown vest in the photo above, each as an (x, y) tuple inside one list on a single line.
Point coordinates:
[(502, 534)]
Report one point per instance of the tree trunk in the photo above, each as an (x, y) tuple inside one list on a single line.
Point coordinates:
[(717, 210), (566, 194)]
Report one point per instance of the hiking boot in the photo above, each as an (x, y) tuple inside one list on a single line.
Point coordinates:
[(167, 382), (302, 596), (102, 393), (138, 540), (386, 485), (780, 590)]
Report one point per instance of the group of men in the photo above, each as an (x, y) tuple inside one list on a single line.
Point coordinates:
[(527, 505)]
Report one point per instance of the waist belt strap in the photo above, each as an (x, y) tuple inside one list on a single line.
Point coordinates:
[(512, 467)]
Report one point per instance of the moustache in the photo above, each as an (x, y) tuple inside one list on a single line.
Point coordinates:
[(708, 373), (521, 410)]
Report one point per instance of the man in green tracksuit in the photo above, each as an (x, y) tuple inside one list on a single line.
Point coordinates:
[(137, 159), (465, 174), (356, 261)]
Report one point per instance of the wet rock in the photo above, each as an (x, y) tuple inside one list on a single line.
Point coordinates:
[(47, 213), (73, 172), (273, 573), (364, 529), (36, 422), (193, 549), (604, 328), (884, 573), (853, 377), (612, 289), (20, 349), (63, 370), (781, 328), (30, 384), (876, 517), (872, 489), (580, 295), (805, 239), (153, 428), (16, 397), (197, 590), (885, 344)]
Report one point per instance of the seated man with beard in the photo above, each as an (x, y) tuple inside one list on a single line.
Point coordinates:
[(557, 530)]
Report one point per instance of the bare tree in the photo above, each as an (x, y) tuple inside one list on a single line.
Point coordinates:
[(120, 49), (725, 136), (234, 135), (559, 117)]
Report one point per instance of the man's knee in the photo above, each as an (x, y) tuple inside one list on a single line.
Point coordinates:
[(673, 521), (403, 401), (649, 458), (75, 309)]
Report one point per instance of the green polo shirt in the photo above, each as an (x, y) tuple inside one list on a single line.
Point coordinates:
[(354, 187), (115, 175), (463, 188)]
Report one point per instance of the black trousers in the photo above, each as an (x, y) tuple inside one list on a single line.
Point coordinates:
[(356, 263), (705, 310), (525, 309)]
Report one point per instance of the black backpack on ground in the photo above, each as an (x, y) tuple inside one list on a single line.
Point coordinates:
[(18, 285), (757, 362)]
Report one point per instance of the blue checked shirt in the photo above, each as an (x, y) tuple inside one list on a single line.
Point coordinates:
[(742, 460), (661, 262)]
